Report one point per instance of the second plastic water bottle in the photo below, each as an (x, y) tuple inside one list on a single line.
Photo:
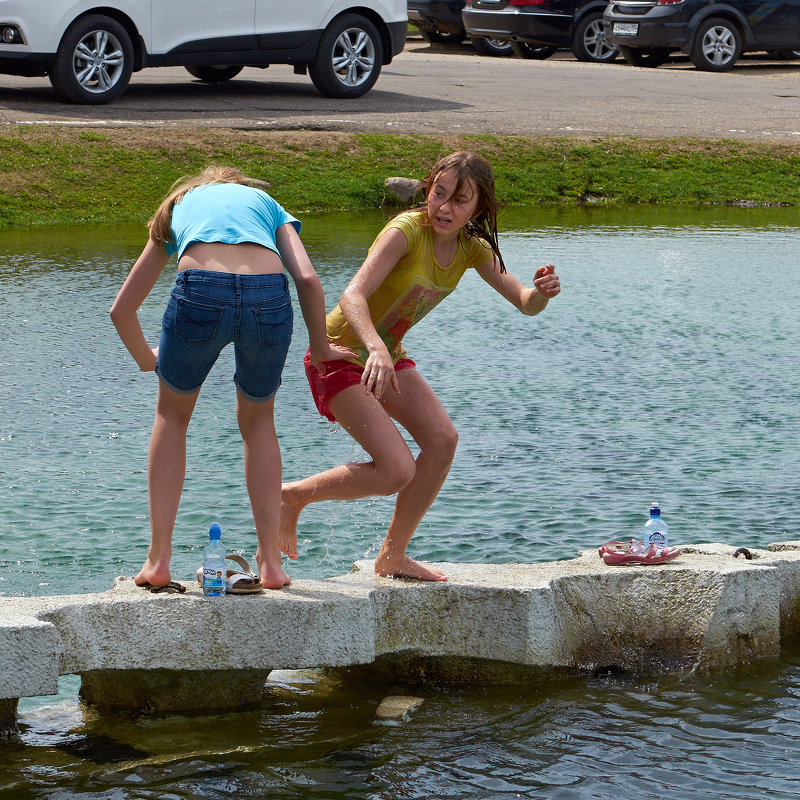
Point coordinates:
[(214, 564), (656, 531)]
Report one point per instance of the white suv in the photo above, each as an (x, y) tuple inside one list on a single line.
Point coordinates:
[(89, 48)]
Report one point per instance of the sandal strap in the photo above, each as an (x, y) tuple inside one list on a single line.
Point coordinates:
[(240, 561)]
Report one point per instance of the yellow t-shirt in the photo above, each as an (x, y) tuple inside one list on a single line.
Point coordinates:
[(416, 285)]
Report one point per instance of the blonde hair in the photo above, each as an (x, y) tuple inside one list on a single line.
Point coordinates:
[(159, 223)]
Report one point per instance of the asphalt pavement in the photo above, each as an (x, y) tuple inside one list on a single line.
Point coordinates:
[(435, 89)]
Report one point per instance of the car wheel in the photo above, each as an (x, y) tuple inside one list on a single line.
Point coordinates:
[(589, 42), (212, 73), (717, 45), (527, 50), (93, 62), (437, 37), (645, 56), (492, 47), (349, 58)]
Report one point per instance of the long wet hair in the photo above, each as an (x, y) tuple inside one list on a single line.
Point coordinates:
[(470, 167), (159, 224)]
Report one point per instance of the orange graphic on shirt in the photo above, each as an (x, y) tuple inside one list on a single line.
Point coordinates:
[(406, 311)]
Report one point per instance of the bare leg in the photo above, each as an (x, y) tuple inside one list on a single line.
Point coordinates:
[(262, 472), (166, 470), (391, 468), (420, 412)]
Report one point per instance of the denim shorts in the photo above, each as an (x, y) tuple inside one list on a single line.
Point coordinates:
[(208, 310)]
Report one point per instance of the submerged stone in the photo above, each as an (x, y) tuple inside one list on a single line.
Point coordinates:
[(397, 706)]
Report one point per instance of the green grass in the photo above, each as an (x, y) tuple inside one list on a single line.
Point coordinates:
[(66, 176)]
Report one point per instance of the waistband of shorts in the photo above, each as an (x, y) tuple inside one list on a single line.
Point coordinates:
[(201, 277)]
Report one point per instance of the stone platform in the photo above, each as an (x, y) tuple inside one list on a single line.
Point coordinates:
[(183, 652)]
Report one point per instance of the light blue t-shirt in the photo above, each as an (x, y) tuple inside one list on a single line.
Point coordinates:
[(231, 213)]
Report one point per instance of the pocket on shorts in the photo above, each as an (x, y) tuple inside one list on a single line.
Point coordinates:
[(274, 321), (195, 322)]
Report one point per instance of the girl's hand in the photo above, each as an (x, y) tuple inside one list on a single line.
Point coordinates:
[(379, 373), (546, 281), (151, 367), (329, 352)]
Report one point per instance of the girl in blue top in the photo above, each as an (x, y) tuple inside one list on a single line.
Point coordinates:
[(232, 241)]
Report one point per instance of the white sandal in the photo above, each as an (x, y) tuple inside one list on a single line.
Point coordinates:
[(239, 582)]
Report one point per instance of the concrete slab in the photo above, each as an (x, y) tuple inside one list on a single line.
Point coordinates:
[(488, 621)]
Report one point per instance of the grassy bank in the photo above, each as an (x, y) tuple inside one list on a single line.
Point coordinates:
[(65, 175)]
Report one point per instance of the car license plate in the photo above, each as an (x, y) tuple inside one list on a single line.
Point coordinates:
[(626, 28)]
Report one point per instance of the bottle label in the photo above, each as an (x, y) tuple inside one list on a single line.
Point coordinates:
[(213, 579), (658, 539)]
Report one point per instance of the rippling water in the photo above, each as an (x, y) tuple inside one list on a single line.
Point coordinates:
[(666, 370)]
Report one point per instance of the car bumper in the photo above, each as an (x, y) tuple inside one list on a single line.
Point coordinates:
[(523, 26), (443, 16), (661, 26), (26, 64), (398, 31)]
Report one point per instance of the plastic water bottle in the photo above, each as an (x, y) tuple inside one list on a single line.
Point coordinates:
[(214, 577), (656, 531)]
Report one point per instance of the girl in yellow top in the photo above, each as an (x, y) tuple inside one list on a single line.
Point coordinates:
[(414, 263)]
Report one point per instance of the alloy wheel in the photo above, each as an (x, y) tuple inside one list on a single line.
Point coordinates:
[(98, 61), (353, 56), (719, 45), (595, 41)]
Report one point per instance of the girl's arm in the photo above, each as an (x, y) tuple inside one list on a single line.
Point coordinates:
[(137, 286), (379, 369), (309, 291), (529, 300)]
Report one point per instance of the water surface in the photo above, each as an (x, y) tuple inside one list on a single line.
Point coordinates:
[(665, 371)]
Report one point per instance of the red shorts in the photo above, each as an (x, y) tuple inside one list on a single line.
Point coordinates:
[(338, 375)]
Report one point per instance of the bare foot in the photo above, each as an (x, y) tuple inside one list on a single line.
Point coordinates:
[(405, 567), (273, 577), (290, 513), (153, 573)]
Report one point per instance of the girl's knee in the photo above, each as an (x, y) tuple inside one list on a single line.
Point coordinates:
[(173, 408), (406, 472), (399, 474), (450, 439), (255, 417), (443, 444), (174, 417)]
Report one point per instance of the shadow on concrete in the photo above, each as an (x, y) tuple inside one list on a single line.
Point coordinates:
[(239, 98)]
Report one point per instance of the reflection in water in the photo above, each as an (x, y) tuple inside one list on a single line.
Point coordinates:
[(664, 371)]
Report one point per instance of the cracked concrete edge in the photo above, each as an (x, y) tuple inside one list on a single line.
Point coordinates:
[(577, 613), (30, 656), (710, 607)]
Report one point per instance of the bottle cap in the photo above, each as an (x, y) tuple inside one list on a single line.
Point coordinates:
[(655, 511), (215, 532)]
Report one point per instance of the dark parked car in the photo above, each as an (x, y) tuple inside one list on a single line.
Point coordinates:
[(536, 28), (439, 21), (712, 34)]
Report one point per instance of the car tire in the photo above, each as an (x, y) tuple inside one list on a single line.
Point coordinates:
[(349, 58), (94, 61), (589, 40), (209, 73), (492, 47), (717, 45), (538, 52), (644, 56), (437, 37)]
